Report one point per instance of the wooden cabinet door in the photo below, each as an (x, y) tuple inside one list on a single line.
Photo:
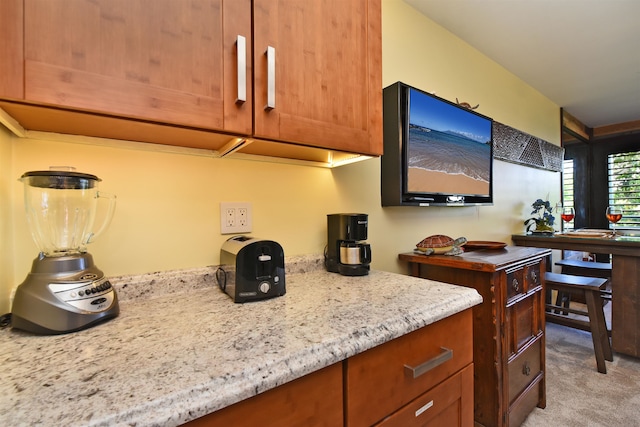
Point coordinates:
[(156, 60), (328, 83), (314, 400)]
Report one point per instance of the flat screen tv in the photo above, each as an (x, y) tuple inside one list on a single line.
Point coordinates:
[(436, 152)]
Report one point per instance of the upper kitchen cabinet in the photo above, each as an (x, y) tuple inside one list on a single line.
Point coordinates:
[(318, 73), (290, 78), (166, 61)]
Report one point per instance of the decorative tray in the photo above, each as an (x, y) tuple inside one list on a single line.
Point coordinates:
[(482, 244), (588, 233)]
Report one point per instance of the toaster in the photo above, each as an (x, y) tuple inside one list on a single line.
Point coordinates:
[(251, 269)]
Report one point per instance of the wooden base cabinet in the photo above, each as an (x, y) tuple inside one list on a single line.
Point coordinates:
[(508, 327), (421, 379), (424, 378)]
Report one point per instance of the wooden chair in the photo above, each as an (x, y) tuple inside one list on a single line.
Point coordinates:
[(584, 268), (591, 289)]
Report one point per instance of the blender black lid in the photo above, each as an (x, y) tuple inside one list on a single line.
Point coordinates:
[(64, 180)]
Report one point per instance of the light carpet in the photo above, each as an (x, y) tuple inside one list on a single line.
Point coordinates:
[(577, 394)]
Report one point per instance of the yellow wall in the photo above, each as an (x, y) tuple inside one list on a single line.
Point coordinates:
[(6, 221), (167, 215)]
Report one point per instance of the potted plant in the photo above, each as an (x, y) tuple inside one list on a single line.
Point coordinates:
[(543, 220)]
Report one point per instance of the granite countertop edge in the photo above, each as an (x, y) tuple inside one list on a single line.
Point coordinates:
[(309, 348)]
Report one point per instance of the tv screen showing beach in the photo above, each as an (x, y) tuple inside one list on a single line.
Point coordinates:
[(449, 150)]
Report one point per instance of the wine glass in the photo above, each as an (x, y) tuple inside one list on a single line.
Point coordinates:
[(614, 214), (567, 214)]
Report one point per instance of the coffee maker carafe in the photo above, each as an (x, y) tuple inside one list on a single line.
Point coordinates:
[(346, 252)]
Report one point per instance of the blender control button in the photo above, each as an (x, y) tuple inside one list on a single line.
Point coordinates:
[(276, 279), (81, 293), (98, 301), (73, 295)]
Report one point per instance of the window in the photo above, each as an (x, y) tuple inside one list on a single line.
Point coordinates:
[(624, 186), (567, 190)]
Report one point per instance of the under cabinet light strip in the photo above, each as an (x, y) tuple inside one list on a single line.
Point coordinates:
[(232, 146)]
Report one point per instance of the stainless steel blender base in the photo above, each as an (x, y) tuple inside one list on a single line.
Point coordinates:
[(63, 294)]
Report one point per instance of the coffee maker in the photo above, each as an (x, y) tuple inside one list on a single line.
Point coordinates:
[(346, 253)]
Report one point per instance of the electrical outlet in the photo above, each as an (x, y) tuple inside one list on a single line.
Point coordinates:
[(241, 217), (235, 217)]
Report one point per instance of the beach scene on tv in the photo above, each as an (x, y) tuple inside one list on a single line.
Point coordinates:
[(449, 149)]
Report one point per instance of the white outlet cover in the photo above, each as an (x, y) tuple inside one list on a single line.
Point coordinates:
[(235, 217)]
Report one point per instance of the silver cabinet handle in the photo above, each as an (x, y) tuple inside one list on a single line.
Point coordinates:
[(425, 367), (241, 46), (271, 78)]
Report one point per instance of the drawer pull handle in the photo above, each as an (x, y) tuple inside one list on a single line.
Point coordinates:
[(271, 78), (241, 46), (526, 370), (515, 285), (425, 367), (534, 277), (424, 408)]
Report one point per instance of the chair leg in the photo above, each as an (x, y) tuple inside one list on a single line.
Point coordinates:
[(599, 333), (563, 299)]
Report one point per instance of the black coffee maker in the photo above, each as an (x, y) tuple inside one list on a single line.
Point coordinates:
[(346, 253)]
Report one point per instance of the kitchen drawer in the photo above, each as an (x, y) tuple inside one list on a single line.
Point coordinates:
[(523, 322), (523, 369), (377, 382), (446, 405)]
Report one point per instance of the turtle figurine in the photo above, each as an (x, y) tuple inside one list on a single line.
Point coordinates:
[(466, 105), (440, 244)]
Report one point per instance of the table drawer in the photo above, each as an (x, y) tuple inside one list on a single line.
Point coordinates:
[(515, 283), (378, 382), (523, 322), (533, 276), (522, 279), (523, 369), (449, 404), (525, 403)]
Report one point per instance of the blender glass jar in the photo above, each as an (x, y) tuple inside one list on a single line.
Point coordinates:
[(61, 208)]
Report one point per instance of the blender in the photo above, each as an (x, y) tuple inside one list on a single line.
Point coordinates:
[(64, 291)]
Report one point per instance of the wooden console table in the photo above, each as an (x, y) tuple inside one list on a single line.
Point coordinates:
[(508, 327), (625, 280)]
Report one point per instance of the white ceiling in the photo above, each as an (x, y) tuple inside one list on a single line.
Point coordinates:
[(584, 55)]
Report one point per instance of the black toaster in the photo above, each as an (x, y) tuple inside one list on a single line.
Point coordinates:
[(251, 269)]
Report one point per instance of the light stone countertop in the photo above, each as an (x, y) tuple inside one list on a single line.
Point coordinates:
[(181, 349)]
